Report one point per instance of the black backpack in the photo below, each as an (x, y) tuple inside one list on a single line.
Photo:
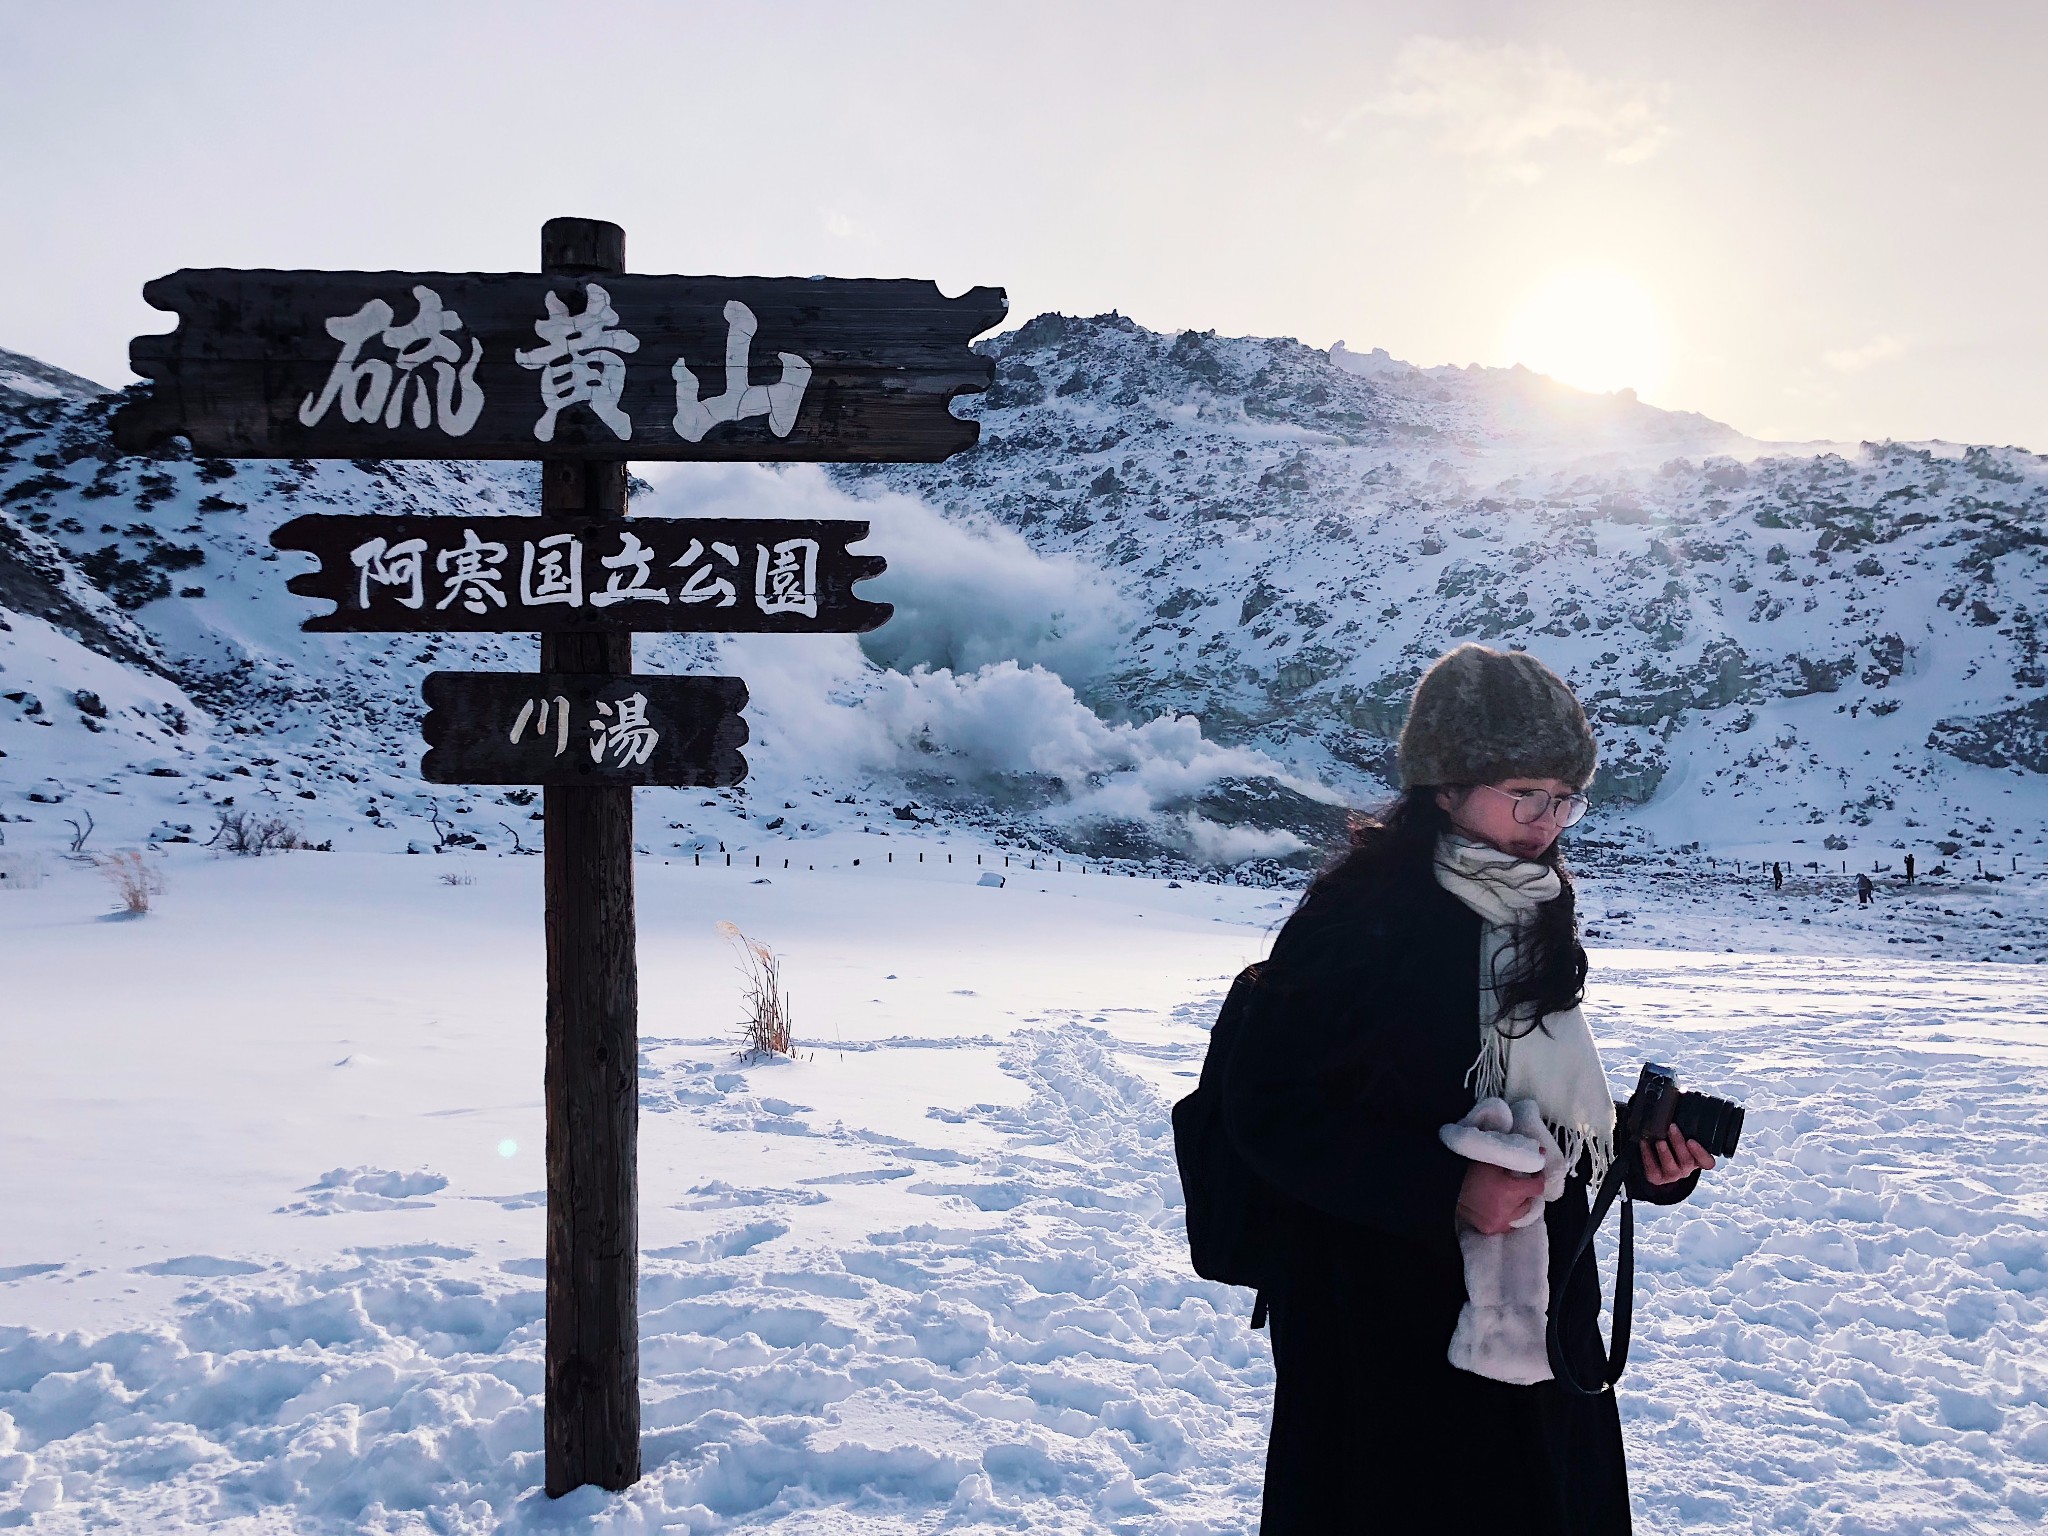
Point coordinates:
[(1232, 1213), (1234, 1217)]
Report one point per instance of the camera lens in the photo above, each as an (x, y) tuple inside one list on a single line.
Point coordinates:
[(1715, 1124)]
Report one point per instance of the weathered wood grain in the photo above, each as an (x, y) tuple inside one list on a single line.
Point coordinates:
[(590, 1429), (253, 356), (583, 728), (491, 574)]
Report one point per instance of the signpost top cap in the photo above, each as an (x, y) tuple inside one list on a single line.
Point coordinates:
[(574, 246)]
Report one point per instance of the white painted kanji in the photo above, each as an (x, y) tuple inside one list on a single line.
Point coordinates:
[(779, 402), (704, 585), (472, 573), (376, 389), (538, 711), (383, 564), (551, 571), (582, 362), (623, 731), (786, 577), (629, 576)]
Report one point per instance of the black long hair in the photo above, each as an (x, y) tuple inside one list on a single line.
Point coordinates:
[(1392, 850)]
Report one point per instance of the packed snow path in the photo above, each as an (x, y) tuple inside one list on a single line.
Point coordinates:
[(277, 1265)]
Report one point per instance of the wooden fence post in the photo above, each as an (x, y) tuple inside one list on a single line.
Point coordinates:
[(592, 1414)]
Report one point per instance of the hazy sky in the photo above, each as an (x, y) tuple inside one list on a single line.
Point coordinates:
[(1808, 220)]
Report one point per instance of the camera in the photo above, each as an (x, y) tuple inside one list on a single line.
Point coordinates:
[(1659, 1103)]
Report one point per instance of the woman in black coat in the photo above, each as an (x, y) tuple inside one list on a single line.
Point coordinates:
[(1362, 1038)]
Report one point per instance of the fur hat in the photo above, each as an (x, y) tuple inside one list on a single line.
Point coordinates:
[(1480, 714)]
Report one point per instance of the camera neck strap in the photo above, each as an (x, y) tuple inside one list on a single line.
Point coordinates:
[(1615, 1356)]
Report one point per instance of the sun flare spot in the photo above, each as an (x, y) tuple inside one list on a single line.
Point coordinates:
[(1594, 328)]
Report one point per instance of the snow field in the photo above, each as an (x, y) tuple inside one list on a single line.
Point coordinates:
[(276, 1270), (1691, 905), (1848, 1330)]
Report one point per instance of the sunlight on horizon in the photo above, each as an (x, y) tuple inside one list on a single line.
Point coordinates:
[(1594, 328)]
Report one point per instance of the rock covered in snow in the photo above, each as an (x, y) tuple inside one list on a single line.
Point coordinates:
[(1794, 638), (1173, 604)]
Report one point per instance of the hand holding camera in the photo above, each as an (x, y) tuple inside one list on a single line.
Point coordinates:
[(1675, 1133), (1676, 1157)]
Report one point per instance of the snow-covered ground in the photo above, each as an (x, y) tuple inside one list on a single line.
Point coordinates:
[(1687, 903), (270, 1236)]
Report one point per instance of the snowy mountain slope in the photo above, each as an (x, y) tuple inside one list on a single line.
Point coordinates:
[(25, 381), (172, 576), (1173, 603), (1837, 646), (164, 563), (279, 1265)]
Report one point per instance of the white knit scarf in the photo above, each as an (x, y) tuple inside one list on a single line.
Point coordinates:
[(1554, 1062)]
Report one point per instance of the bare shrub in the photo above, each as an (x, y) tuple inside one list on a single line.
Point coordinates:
[(767, 1029), (136, 881), (457, 877), (248, 835), (78, 836)]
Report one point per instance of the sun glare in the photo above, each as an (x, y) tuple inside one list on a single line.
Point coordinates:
[(1593, 328)]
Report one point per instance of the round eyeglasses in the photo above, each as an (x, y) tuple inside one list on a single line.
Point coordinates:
[(1532, 805)]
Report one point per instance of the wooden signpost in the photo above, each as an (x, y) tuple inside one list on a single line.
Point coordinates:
[(582, 367), (550, 575), (576, 361), (580, 728)]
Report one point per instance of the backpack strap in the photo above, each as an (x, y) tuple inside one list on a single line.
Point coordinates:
[(1615, 1356)]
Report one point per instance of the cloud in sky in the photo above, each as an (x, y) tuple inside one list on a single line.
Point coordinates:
[(1503, 106), (1878, 349)]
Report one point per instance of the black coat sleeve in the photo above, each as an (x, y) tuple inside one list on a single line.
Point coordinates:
[(1640, 1188), (1315, 1095)]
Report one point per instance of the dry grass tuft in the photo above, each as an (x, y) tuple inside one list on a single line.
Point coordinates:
[(767, 1030), (135, 880)]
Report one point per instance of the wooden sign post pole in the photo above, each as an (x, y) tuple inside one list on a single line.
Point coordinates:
[(440, 365), (592, 1430)]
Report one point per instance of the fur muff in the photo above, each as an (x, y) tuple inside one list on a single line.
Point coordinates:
[(1501, 1331)]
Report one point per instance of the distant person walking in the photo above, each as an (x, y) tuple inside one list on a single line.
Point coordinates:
[(1909, 869), (1777, 876), (1863, 890)]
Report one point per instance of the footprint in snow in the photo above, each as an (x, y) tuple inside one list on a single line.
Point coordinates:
[(366, 1189), (200, 1265), (719, 1195), (26, 1271)]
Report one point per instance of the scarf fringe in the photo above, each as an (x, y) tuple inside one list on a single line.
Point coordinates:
[(1583, 1141), (1488, 1078), (1504, 892)]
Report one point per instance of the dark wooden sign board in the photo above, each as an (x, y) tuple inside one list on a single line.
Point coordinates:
[(542, 575), (575, 728), (582, 368), (510, 365)]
